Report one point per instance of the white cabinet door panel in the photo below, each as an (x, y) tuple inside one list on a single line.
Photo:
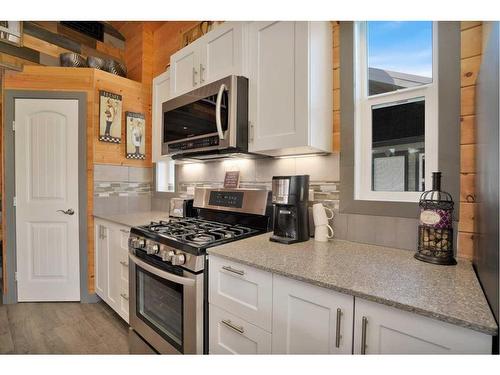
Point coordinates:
[(101, 258), (305, 319), (392, 331), (242, 290), (278, 84), (161, 93), (232, 335), (184, 67), (221, 53)]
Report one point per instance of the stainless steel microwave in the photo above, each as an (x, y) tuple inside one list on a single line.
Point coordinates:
[(208, 122)]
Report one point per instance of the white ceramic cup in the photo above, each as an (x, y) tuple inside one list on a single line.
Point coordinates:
[(319, 214), (322, 233)]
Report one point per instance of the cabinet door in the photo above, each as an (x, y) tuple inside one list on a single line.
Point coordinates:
[(101, 241), (221, 52), (184, 73), (161, 93), (310, 320), (278, 90), (241, 290), (114, 285), (232, 335), (391, 331), (122, 259)]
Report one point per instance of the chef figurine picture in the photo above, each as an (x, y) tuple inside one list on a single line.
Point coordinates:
[(110, 109), (136, 128)]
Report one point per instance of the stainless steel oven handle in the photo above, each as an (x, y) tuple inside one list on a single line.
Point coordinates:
[(218, 121), (164, 275)]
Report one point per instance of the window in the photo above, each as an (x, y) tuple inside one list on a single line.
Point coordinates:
[(165, 176), (396, 110)]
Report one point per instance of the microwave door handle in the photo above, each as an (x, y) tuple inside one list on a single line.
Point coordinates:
[(163, 274), (217, 111)]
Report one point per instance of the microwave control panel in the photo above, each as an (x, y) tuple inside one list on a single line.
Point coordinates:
[(194, 144)]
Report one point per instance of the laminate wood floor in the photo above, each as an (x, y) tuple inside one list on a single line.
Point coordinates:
[(62, 328)]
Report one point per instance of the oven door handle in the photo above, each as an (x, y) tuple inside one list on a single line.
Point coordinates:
[(163, 274), (218, 121)]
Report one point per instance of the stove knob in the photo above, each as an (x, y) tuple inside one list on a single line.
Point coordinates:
[(178, 259), (137, 242), (153, 249), (167, 256)]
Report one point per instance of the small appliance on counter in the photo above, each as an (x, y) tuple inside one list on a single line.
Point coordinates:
[(181, 207), (291, 216)]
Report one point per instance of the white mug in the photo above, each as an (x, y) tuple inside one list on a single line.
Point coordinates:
[(322, 233), (319, 214)]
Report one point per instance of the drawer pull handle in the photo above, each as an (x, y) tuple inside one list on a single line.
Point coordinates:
[(364, 322), (231, 269), (229, 324), (124, 296), (124, 264), (337, 336)]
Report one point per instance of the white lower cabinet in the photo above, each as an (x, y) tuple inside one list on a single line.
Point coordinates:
[(111, 265), (310, 320), (232, 335), (380, 329), (242, 290), (255, 312)]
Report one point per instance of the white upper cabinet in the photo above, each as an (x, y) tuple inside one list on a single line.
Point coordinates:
[(290, 87), (221, 52), (184, 66), (380, 329), (215, 55), (161, 93)]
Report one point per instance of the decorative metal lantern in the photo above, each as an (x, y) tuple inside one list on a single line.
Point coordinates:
[(435, 232)]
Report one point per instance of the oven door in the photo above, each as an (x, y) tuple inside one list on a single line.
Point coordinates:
[(166, 309), (207, 119)]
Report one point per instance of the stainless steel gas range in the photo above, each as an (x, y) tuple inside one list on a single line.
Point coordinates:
[(169, 272)]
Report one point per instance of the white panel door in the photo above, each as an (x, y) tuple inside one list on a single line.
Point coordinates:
[(46, 157), (392, 331), (184, 66), (221, 53), (308, 319), (278, 89)]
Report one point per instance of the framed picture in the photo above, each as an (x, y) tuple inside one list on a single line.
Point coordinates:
[(12, 32), (110, 117), (136, 135)]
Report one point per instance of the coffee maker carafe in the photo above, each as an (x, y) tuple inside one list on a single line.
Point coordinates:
[(290, 200)]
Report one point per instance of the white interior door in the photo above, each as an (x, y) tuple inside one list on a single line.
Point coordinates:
[(46, 158)]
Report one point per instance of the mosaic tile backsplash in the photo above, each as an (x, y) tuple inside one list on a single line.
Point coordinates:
[(122, 189)]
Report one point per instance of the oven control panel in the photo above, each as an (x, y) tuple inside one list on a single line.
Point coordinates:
[(167, 254)]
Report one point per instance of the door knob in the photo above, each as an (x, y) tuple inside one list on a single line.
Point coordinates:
[(69, 211)]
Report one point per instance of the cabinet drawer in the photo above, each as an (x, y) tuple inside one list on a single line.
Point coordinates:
[(241, 290), (232, 335)]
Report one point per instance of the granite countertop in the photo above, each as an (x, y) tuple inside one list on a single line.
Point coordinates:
[(380, 274), (134, 218)]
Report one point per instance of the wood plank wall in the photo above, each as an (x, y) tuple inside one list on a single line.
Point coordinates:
[(336, 86), (44, 41), (471, 49), (90, 81)]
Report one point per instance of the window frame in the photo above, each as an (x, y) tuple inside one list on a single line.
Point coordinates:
[(363, 123)]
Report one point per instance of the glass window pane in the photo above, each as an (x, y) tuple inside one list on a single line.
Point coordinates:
[(399, 55), (398, 146)]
